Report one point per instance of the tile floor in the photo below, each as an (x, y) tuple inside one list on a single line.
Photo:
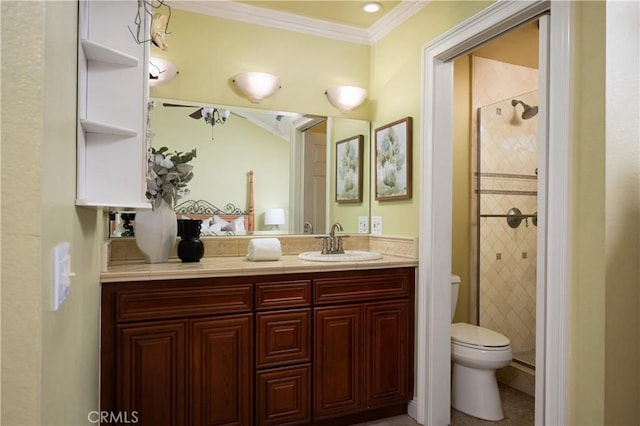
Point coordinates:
[(518, 410)]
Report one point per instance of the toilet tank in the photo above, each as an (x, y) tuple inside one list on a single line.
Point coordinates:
[(455, 284)]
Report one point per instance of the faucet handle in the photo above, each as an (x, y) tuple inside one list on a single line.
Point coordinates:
[(325, 243), (340, 249)]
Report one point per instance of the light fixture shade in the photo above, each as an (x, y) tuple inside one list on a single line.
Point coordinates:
[(274, 217), (346, 98), (257, 85), (161, 71)]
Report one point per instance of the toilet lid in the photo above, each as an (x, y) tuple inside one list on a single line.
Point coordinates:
[(475, 336)]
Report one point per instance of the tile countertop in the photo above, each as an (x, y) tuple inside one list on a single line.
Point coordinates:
[(239, 266)]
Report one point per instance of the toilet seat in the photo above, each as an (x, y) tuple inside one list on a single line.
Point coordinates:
[(476, 337)]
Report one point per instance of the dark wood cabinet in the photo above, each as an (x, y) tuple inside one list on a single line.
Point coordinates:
[(151, 371), (283, 352), (283, 395), (387, 353), (338, 362), (221, 371), (312, 348)]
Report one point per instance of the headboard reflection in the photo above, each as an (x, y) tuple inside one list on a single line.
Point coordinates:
[(204, 210), (211, 215)]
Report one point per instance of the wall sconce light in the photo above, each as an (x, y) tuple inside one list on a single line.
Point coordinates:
[(161, 72), (257, 85), (274, 217), (346, 98)]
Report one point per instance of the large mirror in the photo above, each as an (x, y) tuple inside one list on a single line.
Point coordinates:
[(292, 157)]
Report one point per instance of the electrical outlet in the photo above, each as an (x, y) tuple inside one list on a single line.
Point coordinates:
[(61, 273), (376, 225), (363, 224)]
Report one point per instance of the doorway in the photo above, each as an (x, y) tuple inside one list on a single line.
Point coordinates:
[(307, 188), (433, 358)]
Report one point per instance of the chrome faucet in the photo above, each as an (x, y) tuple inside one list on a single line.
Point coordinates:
[(307, 228), (335, 245), (332, 244)]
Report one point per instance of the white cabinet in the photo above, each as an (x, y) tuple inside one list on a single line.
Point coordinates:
[(112, 104)]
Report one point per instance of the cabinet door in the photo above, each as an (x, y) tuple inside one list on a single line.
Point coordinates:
[(338, 365), (151, 372), (221, 371), (387, 353)]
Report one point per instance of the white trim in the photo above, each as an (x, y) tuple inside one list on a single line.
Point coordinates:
[(302, 24), (394, 18), (558, 216), (433, 347), (542, 238)]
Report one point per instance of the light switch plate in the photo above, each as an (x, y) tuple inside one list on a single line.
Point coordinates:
[(61, 273), (376, 225), (363, 224)]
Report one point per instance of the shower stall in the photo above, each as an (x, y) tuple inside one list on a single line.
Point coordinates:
[(505, 200)]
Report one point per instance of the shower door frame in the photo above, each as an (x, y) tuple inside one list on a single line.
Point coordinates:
[(476, 238), (432, 404)]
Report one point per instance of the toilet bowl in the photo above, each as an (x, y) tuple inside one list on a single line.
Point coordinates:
[(476, 354)]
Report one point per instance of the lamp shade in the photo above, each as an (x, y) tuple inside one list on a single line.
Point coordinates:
[(346, 98), (161, 71), (257, 85), (274, 217)]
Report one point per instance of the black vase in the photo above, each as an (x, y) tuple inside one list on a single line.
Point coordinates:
[(190, 247)]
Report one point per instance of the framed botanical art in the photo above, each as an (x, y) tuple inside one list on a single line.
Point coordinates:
[(393, 160), (349, 169)]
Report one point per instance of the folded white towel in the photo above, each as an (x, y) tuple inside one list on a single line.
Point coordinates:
[(264, 249)]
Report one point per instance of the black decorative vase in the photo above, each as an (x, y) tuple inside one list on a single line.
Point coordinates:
[(190, 247)]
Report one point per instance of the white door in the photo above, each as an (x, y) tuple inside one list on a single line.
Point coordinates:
[(315, 178)]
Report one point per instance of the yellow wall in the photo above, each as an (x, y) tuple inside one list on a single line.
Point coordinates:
[(49, 359), (396, 93), (209, 51), (462, 192), (587, 290)]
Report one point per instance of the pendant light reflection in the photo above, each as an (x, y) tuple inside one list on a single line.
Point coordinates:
[(346, 98), (257, 86), (215, 116)]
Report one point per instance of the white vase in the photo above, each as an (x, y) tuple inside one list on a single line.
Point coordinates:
[(156, 232)]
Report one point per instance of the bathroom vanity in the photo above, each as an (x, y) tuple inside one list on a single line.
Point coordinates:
[(301, 344)]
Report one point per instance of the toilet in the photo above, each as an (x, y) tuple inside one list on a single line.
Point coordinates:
[(476, 354)]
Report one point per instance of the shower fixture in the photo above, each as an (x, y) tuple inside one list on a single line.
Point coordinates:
[(529, 111)]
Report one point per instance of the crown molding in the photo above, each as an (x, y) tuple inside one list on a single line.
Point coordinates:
[(396, 16), (287, 21)]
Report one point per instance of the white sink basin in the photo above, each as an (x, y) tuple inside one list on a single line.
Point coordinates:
[(347, 256)]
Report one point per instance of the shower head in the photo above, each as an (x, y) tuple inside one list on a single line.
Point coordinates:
[(529, 111)]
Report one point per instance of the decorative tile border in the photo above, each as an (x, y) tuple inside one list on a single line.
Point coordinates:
[(125, 249)]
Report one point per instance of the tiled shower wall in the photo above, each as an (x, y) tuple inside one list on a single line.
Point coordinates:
[(507, 178)]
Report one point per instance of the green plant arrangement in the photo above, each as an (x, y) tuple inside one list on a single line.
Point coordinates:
[(168, 175)]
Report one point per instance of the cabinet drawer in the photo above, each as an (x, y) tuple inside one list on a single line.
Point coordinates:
[(292, 294), (358, 287), (284, 396), (283, 337), (183, 302)]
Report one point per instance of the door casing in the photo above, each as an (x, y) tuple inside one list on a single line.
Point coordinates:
[(432, 403)]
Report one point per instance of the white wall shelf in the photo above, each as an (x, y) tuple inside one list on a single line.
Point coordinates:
[(112, 106), (99, 52), (108, 129)]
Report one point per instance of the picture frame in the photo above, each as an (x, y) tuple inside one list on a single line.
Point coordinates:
[(349, 166), (393, 145)]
